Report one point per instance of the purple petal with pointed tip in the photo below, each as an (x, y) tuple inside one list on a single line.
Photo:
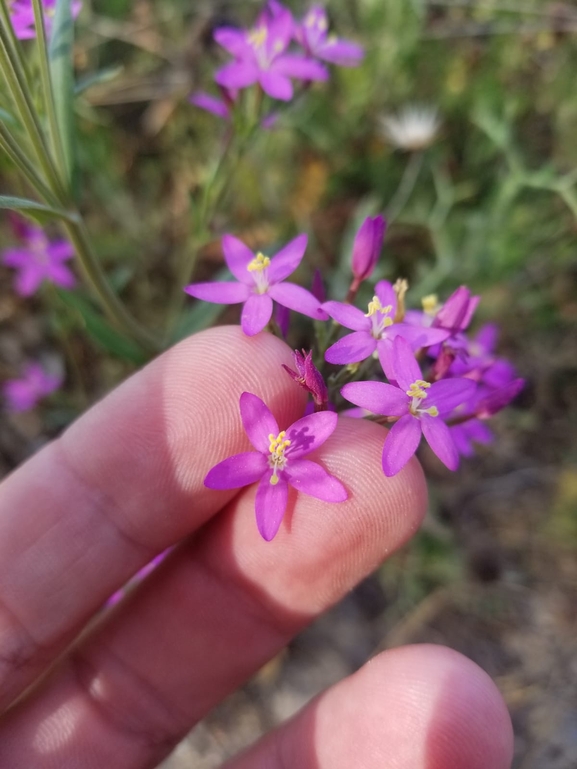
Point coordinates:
[(405, 366), (15, 257), (258, 421), (237, 471), (276, 85), (310, 432), (219, 293), (377, 397), (237, 257), (419, 336), (233, 40), (270, 505), (210, 103), (256, 313), (312, 479), (352, 348), (60, 275), (237, 74), (287, 259), (385, 353), (60, 251), (297, 298), (447, 394), (341, 52), (400, 444), (348, 316), (300, 67), (438, 436), (28, 280)]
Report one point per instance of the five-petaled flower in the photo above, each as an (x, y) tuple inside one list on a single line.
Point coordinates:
[(260, 280), (419, 405), (39, 260), (35, 383), (261, 56), (278, 462), (313, 35), (375, 330)]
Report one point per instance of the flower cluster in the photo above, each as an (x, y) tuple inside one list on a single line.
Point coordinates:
[(275, 51), (417, 371), (24, 393)]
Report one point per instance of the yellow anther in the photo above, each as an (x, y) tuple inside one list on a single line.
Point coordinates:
[(278, 445), (418, 388), (258, 36), (430, 304), (400, 288), (274, 479), (432, 411), (259, 263), (375, 306)]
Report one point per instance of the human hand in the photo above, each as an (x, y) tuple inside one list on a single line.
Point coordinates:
[(124, 483)]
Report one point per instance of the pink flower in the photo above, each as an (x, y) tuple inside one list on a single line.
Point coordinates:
[(22, 16), (39, 260), (260, 280), (313, 35), (367, 247), (420, 405), (375, 330), (260, 56), (278, 463), (24, 393)]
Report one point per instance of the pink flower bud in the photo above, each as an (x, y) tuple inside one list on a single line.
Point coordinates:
[(309, 377), (367, 246), (457, 311)]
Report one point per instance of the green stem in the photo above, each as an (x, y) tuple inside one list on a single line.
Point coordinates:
[(112, 305), (47, 88), (406, 187), (11, 147)]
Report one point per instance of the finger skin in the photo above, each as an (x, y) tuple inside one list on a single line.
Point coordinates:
[(417, 707), (123, 483), (214, 612)]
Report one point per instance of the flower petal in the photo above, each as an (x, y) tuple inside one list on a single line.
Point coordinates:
[(237, 471), (28, 280), (400, 444), (258, 421), (16, 257), (352, 348), (219, 293), (276, 85), (439, 438), (341, 53), (299, 299), (447, 394), (256, 313), (419, 336), (310, 432), (405, 366), (60, 275), (312, 479), (299, 67), (210, 103), (237, 257), (348, 316), (237, 74), (287, 259), (233, 40), (270, 505), (60, 251), (377, 397), (386, 293)]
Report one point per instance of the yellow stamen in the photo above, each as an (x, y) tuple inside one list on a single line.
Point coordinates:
[(400, 288), (430, 304), (277, 459), (258, 37), (375, 306), (432, 411), (417, 389), (259, 263)]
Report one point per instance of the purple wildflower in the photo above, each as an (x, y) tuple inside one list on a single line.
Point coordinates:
[(309, 377), (407, 400), (35, 383), (473, 431), (455, 315), (367, 247), (260, 280), (277, 462), (220, 107), (22, 16), (313, 35), (375, 330), (39, 260), (496, 400), (260, 56)]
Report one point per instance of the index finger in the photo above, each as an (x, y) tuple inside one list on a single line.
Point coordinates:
[(121, 485)]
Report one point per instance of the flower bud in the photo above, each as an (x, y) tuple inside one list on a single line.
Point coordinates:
[(457, 311), (367, 246), (309, 378)]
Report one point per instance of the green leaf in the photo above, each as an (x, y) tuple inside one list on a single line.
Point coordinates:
[(60, 54), (6, 117), (39, 212), (97, 78), (100, 330)]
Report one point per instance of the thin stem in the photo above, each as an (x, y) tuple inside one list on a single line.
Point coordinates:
[(47, 88), (20, 160), (112, 305), (405, 188)]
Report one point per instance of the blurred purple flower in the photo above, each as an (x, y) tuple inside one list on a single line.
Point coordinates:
[(367, 246), (406, 400), (375, 330), (473, 431), (22, 16), (496, 400), (260, 56), (318, 287), (260, 280), (309, 377), (220, 107), (24, 393), (313, 35), (39, 260), (277, 462)]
